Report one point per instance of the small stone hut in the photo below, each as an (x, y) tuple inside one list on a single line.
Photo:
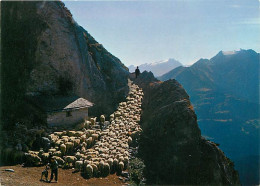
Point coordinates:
[(65, 110)]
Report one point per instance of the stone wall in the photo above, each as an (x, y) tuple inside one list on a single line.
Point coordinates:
[(64, 118)]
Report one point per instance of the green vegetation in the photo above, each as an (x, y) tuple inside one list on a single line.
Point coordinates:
[(136, 171)]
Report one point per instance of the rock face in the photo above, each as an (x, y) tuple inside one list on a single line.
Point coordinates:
[(171, 144), (48, 53)]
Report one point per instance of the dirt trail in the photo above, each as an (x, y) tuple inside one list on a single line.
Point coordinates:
[(31, 176)]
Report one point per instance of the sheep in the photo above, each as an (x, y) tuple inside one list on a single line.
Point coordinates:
[(130, 140), (100, 167), (93, 121), (70, 159), (65, 138), (110, 162), (106, 169), (95, 169), (115, 164), (78, 165), (76, 142), (87, 124), (44, 157), (95, 136), (102, 118), (57, 153), (69, 146), (59, 160), (32, 159), (52, 150), (78, 133), (126, 160), (58, 133), (121, 158), (89, 171), (71, 133), (84, 144), (53, 138), (78, 155), (58, 142), (89, 141), (63, 149), (83, 138), (117, 114)]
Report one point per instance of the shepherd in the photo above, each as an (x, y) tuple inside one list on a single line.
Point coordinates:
[(137, 72), (54, 169)]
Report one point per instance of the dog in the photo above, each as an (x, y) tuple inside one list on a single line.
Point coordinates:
[(45, 173)]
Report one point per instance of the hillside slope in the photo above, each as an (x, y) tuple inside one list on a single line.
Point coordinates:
[(225, 95), (171, 144)]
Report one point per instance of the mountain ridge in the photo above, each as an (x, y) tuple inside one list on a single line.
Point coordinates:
[(224, 93), (158, 68)]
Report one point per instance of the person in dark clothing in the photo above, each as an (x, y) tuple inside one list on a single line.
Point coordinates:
[(137, 72), (50, 157), (54, 169), (45, 173)]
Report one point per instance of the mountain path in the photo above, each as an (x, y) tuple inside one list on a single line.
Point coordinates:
[(106, 151)]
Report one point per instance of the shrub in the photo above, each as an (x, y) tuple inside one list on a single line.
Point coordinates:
[(136, 168)]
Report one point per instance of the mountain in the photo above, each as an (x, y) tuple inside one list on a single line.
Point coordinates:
[(157, 68), (225, 95), (171, 145), (46, 53)]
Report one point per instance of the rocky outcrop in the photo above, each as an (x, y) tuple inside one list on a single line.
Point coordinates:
[(171, 144), (48, 53), (70, 61)]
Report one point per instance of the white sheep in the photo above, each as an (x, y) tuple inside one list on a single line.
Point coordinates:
[(78, 165), (59, 160), (130, 140), (95, 169), (32, 159), (120, 167), (102, 118), (115, 164), (89, 141), (57, 153), (69, 146), (93, 121), (70, 159), (106, 169), (63, 148), (89, 171)]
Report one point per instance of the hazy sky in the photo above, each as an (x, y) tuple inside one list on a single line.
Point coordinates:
[(147, 31)]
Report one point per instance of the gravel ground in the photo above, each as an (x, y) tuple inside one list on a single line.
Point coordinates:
[(31, 176)]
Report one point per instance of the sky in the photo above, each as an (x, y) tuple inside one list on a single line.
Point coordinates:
[(144, 31)]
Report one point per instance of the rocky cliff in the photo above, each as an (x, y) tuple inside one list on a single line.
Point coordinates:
[(45, 52), (171, 144)]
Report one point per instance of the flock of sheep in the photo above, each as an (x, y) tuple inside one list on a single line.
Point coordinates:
[(95, 151)]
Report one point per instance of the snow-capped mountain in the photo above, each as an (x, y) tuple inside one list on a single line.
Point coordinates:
[(157, 68)]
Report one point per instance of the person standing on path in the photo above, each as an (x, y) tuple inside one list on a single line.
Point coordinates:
[(54, 169), (137, 72)]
